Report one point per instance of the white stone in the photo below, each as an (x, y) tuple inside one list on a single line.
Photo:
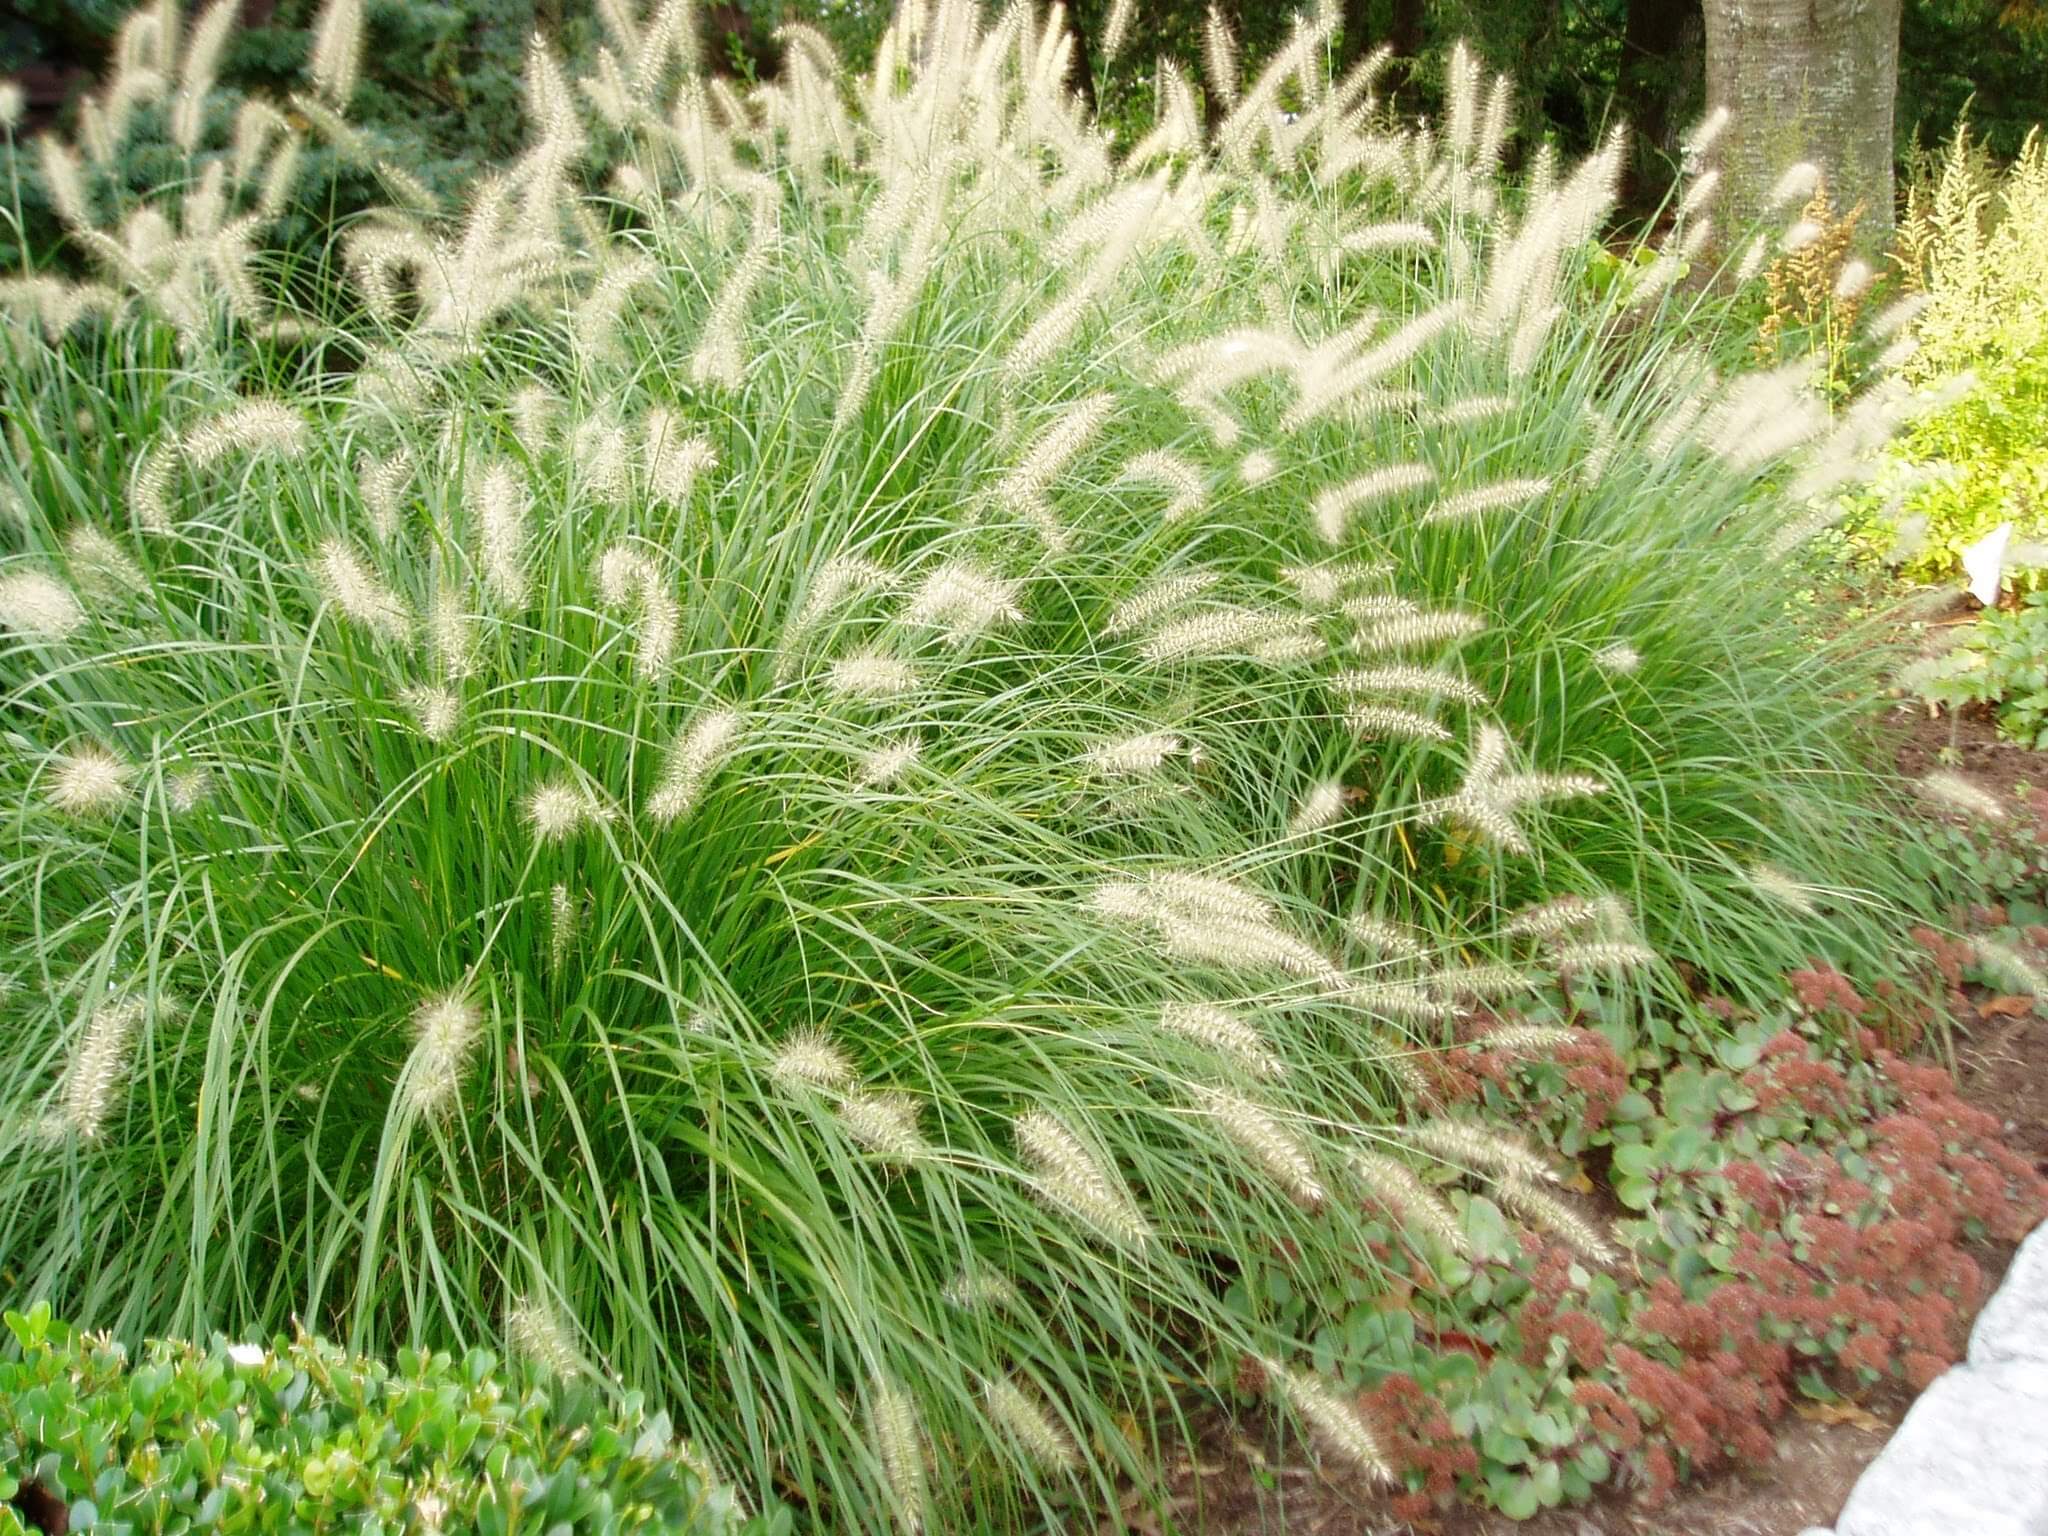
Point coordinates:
[(1984, 564), (1972, 1457), (2014, 1326)]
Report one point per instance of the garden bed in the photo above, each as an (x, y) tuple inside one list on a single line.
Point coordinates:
[(1244, 1478)]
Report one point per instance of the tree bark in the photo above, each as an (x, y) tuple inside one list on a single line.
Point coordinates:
[(1806, 80), (1080, 63), (1660, 64), (1357, 33)]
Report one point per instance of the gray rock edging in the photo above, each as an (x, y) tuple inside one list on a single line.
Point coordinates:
[(1971, 1458)]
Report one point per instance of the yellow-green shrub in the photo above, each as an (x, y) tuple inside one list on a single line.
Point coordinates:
[(1975, 243)]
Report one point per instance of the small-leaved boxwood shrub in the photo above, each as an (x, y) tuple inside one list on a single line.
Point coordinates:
[(303, 1436)]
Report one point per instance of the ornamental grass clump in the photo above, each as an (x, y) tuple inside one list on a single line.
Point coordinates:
[(844, 744)]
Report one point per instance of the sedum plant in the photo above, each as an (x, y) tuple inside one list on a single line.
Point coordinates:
[(846, 744)]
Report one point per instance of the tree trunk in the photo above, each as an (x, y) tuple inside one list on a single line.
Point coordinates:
[(1659, 78), (1357, 33), (1806, 80), (1080, 63)]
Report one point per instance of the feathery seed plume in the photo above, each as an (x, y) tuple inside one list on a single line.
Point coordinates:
[(1235, 944), (337, 57), (499, 503), (2012, 968), (1371, 720), (1752, 262), (533, 410), (1527, 1039), (1324, 586), (1472, 412), (1257, 467), (1338, 1426), (1393, 1184), (1482, 499), (810, 1058), (840, 578), (1222, 631), (1953, 792), (1322, 806), (564, 918), (1797, 184), (697, 756), (1544, 1211), (1067, 1175), (1590, 956), (1219, 1030), (438, 711), (99, 1068), (1024, 489), (887, 764), (1799, 235), (1219, 58), (1372, 607), (1468, 1147), (672, 459), (870, 676), (1144, 753), (1399, 677), (1269, 1144), (1699, 193), (963, 601), (1116, 30), (384, 481), (886, 1124), (1705, 133), (719, 358), (1403, 1000), (1481, 981), (537, 1334), (445, 1032), (149, 494), (259, 427), (558, 810), (1386, 938), (1156, 598), (628, 577), (1333, 508), (1020, 1413), (1208, 896), (89, 781), (1406, 632), (1174, 474), (1617, 659), (899, 1445), (188, 789), (37, 606), (1550, 919), (972, 1290), (361, 595), (1769, 880)]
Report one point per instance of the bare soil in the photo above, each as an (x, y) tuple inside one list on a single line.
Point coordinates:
[(1241, 1481)]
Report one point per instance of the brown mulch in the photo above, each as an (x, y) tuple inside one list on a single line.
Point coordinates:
[(1243, 1481)]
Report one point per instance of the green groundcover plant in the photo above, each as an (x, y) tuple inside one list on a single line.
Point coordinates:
[(306, 1437), (848, 743)]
